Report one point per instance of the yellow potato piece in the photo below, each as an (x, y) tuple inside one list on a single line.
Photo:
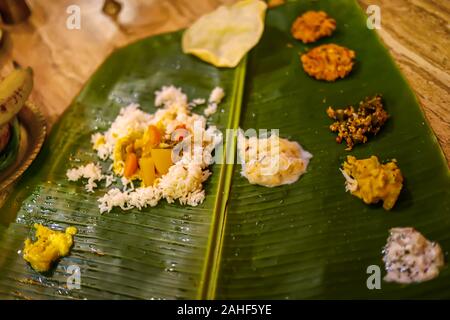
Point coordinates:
[(162, 159), (147, 167), (225, 35)]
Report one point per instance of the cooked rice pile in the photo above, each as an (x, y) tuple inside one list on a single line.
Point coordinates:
[(184, 179)]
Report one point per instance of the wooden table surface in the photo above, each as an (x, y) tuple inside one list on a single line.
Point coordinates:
[(417, 33)]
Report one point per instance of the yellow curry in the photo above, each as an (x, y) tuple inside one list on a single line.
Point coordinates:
[(372, 181), (49, 246)]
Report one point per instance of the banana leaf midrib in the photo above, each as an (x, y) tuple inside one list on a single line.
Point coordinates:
[(213, 255)]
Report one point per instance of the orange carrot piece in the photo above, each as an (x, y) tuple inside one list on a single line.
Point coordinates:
[(131, 165), (154, 135)]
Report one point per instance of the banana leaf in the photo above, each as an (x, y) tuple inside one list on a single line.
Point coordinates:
[(305, 240), (311, 239), (155, 253)]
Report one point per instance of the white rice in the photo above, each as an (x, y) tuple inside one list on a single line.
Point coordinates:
[(210, 110), (169, 95), (114, 198), (91, 171), (184, 180), (216, 95), (197, 102), (215, 98), (109, 180)]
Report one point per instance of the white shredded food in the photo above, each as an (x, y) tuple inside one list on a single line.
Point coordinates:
[(350, 183), (214, 99), (92, 172), (410, 257), (210, 110), (183, 181), (197, 102), (170, 95), (216, 95)]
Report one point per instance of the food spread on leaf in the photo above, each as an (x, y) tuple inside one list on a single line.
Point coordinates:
[(146, 157), (271, 161), (161, 155), (372, 181), (355, 126), (328, 62), (410, 257), (312, 25), (49, 246), (225, 35)]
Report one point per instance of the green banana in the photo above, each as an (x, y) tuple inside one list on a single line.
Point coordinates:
[(14, 91)]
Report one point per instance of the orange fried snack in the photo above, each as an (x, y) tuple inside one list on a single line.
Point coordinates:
[(312, 25), (328, 62)]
